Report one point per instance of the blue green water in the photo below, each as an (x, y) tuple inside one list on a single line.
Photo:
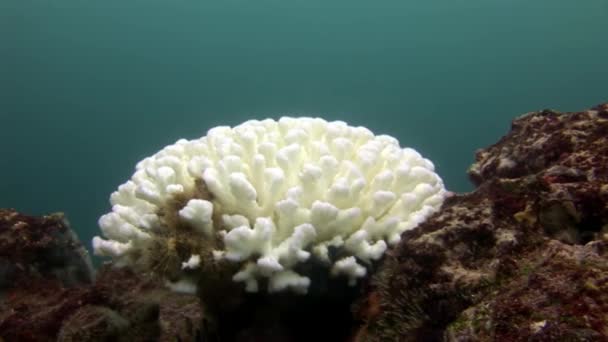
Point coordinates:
[(88, 88)]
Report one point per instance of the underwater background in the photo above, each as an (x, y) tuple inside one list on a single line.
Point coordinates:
[(88, 88)]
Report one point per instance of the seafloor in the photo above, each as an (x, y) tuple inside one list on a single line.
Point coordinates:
[(523, 257)]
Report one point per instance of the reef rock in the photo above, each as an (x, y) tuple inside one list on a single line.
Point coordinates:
[(121, 306), (524, 257), (33, 248), (47, 291)]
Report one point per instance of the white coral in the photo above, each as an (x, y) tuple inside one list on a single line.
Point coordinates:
[(285, 190), (197, 213)]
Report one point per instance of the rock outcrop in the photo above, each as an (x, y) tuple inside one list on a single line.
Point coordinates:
[(524, 257), (48, 292)]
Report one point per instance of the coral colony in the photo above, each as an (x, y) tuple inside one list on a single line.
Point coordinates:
[(265, 197)]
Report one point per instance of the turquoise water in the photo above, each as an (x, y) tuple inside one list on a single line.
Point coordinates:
[(88, 88)]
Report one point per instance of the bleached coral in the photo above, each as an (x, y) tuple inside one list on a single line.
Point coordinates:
[(274, 194)]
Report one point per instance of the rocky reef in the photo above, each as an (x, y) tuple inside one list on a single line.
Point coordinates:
[(523, 257), (47, 291), (35, 248)]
